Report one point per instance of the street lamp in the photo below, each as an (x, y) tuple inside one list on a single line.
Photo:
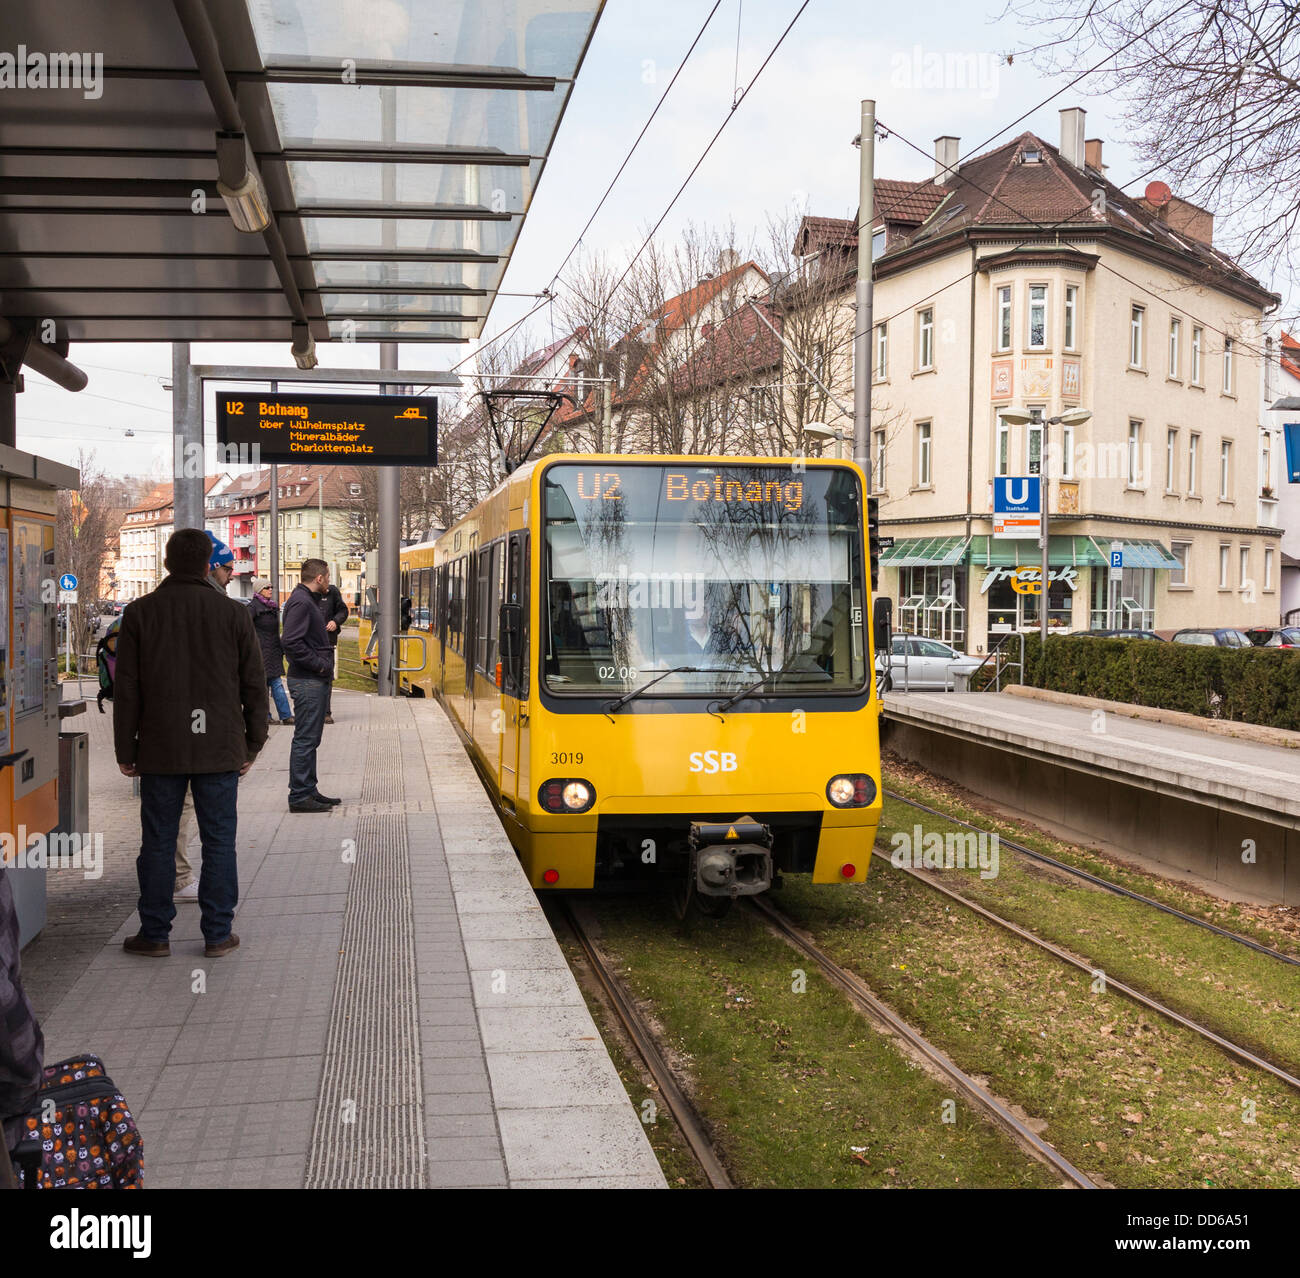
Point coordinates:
[(820, 431), (1019, 417)]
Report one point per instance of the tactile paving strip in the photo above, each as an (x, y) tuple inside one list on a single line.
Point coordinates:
[(368, 1132)]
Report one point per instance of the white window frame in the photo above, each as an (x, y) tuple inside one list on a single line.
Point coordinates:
[(1225, 470), (878, 474), (1193, 462), (1268, 569), (1137, 336), (1002, 447), (1035, 429), (877, 243), (1198, 342), (1243, 566), (1071, 330), (925, 339), (1171, 458), (1229, 346), (1067, 450), (1041, 306), (1265, 460), (882, 351), (1225, 564), (1134, 451), (1175, 342), (1004, 318), (1185, 559), (924, 454)]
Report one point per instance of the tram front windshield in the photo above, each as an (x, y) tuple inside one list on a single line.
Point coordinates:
[(738, 572)]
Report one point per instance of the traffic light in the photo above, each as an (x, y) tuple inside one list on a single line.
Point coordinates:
[(873, 540)]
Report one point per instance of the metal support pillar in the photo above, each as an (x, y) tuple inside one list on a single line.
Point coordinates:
[(8, 411), (862, 319), (390, 547), (188, 460)]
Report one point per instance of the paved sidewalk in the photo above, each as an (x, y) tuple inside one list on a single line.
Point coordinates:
[(398, 1014)]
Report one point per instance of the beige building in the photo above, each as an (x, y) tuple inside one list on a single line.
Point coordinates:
[(1023, 281)]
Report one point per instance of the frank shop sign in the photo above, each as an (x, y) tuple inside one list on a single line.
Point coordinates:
[(1028, 580)]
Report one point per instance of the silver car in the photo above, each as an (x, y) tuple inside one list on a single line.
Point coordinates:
[(924, 665)]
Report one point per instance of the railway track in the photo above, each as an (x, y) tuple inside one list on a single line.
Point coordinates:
[(634, 1024), (1021, 850), (861, 995), (1136, 995)]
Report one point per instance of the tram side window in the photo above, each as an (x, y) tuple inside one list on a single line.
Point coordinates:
[(440, 602), (517, 593), (484, 579), (456, 605), (491, 569)]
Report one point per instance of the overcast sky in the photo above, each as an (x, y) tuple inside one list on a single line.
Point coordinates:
[(933, 68)]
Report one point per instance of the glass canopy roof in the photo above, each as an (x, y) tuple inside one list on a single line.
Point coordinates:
[(400, 143)]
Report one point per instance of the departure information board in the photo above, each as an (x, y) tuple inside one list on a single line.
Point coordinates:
[(361, 430)]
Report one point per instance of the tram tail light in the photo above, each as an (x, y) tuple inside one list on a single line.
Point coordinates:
[(498, 674), (851, 790), (551, 876), (567, 795), (848, 870)]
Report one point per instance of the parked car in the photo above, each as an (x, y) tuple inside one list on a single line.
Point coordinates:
[(919, 664), (1214, 638), (1119, 634), (1271, 637)]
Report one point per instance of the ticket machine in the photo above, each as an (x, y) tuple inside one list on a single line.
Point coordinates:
[(29, 674)]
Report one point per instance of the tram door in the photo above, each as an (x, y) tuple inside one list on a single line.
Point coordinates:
[(514, 676)]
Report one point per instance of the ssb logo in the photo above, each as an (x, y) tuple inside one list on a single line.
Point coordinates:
[(712, 761)]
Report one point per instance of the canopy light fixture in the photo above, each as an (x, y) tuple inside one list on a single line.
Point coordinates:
[(240, 184), (304, 347)]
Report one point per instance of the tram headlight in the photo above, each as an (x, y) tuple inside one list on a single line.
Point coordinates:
[(567, 795), (851, 790)]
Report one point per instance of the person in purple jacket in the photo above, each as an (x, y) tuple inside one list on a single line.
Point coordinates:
[(310, 655)]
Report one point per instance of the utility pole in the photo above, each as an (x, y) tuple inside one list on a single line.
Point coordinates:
[(862, 321), (320, 510), (275, 527)]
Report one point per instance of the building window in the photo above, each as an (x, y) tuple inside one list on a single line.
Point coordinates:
[(877, 244), (1225, 552), (1135, 344), (1225, 470), (923, 455), (1198, 340), (1004, 318), (1193, 463), (1037, 339), (1002, 459), (1034, 443), (1178, 576), (1227, 365), (1175, 342), (878, 473), (1067, 451), (1134, 454), (1265, 461), (925, 339), (1268, 569), (1071, 316), (1171, 458), (882, 351), (1243, 578)]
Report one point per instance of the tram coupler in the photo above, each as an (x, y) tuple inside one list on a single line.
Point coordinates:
[(731, 858)]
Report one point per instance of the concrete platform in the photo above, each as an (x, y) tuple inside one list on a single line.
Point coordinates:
[(1225, 809), (398, 1014)]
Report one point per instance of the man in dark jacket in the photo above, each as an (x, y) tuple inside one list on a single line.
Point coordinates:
[(335, 613), (265, 613), (189, 711), (306, 644)]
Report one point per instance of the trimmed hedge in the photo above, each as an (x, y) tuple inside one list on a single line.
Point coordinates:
[(1256, 685)]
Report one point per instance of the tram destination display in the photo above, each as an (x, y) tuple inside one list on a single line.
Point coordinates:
[(361, 430)]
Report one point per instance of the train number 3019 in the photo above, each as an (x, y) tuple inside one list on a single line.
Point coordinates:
[(566, 756)]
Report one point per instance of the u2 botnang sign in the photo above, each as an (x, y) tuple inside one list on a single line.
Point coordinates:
[(360, 430)]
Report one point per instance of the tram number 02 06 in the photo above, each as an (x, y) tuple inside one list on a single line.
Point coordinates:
[(566, 756), (616, 672)]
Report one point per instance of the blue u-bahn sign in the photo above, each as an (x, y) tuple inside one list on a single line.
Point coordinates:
[(1292, 433)]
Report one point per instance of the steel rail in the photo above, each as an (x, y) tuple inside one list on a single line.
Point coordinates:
[(857, 990)]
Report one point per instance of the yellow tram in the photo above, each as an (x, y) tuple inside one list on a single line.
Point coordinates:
[(661, 666)]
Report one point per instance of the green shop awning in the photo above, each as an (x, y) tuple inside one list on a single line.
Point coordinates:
[(920, 552), (1010, 552), (1144, 553)]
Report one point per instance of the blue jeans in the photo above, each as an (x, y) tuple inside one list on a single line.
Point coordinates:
[(162, 796), (282, 708), (310, 697)]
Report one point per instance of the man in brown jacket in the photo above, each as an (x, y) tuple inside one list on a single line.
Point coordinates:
[(189, 711)]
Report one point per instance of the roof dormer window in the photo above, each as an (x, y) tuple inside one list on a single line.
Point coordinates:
[(1031, 155)]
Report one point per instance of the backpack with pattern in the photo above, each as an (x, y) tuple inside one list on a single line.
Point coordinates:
[(80, 1135), (106, 663)]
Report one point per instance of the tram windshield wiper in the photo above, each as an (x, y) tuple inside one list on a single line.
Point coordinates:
[(717, 707), (620, 702)]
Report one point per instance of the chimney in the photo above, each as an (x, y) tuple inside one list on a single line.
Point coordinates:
[(1072, 143), (1092, 154), (945, 158), (728, 260), (1187, 219)]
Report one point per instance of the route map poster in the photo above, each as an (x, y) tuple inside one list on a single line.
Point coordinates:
[(4, 641)]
